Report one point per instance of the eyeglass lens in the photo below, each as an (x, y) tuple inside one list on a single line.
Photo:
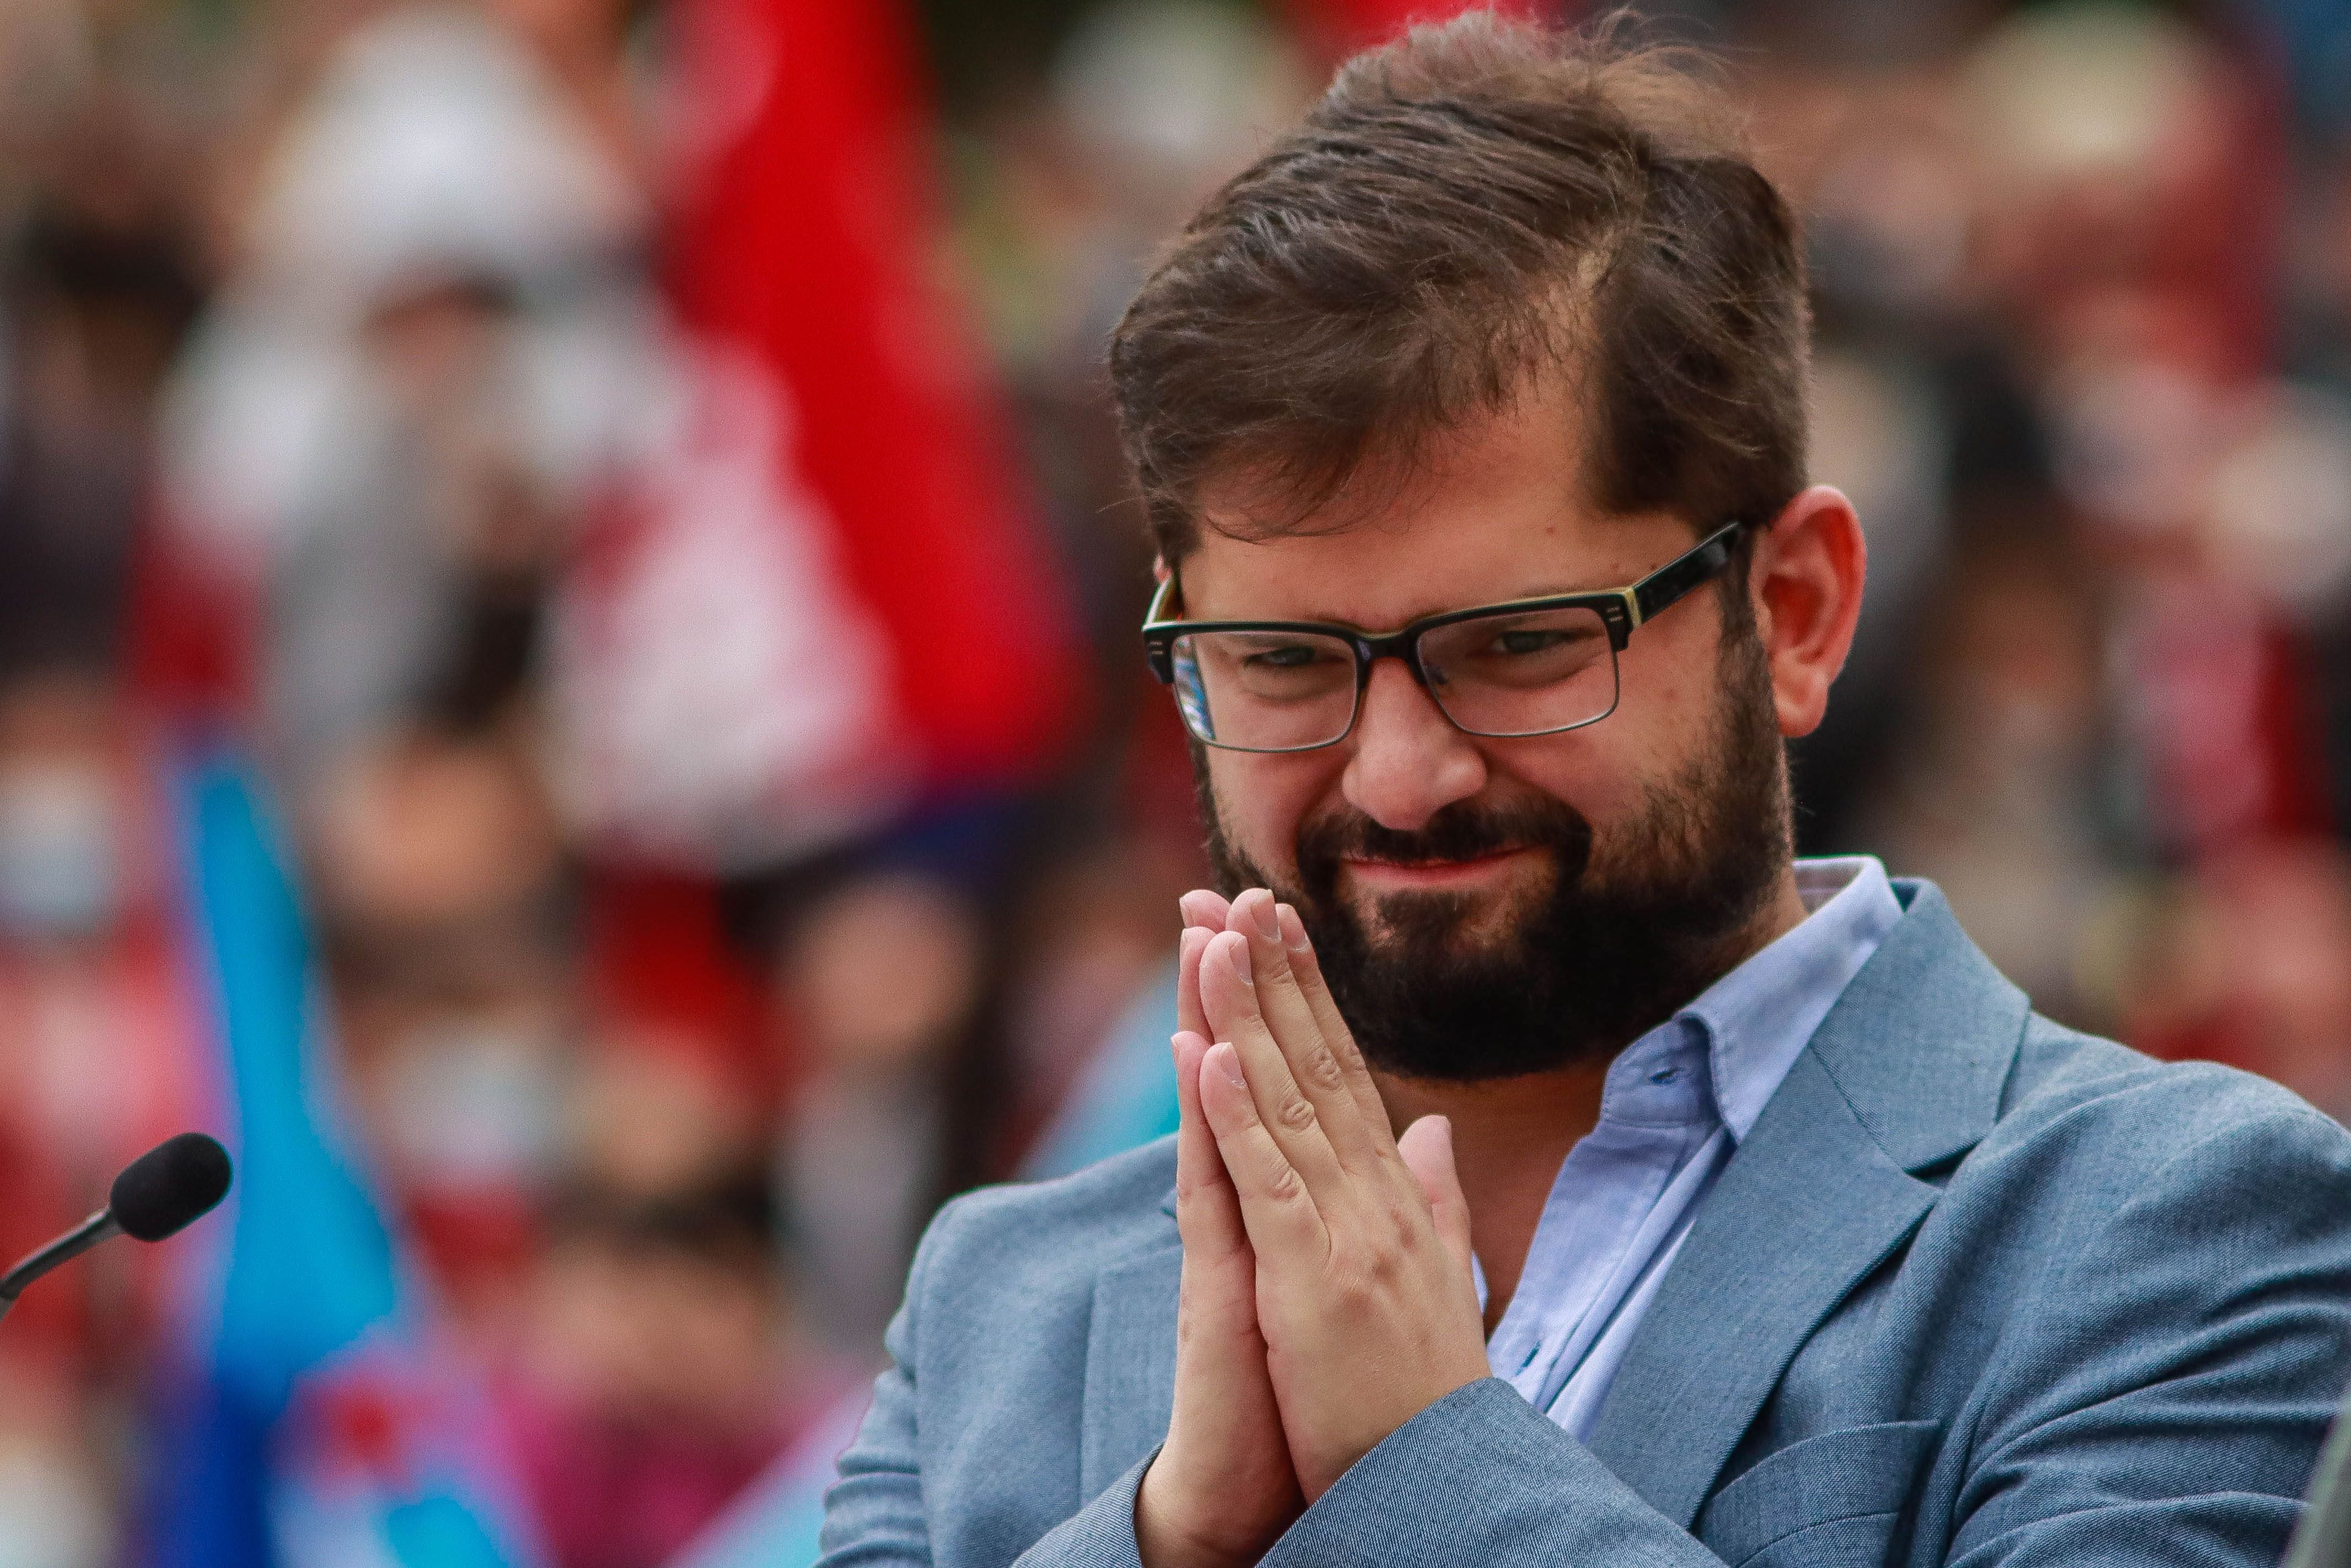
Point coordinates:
[(1523, 673)]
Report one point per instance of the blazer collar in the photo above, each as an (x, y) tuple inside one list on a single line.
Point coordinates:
[(1905, 1073), (1922, 1041)]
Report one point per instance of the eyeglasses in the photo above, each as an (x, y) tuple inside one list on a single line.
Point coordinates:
[(1528, 666)]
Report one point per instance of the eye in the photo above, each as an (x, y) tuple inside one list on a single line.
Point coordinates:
[(1532, 640), (1295, 656)]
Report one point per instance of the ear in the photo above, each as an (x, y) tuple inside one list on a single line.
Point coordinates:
[(1806, 582), (1160, 570)]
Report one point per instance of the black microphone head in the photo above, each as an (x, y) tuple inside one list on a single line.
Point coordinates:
[(169, 1186)]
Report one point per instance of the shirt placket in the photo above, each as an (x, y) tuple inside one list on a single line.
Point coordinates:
[(1654, 1113)]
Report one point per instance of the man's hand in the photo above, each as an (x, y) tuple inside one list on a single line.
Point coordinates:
[(1364, 1295), (1222, 1488)]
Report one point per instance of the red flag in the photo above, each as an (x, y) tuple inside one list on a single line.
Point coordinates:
[(1340, 27), (809, 236)]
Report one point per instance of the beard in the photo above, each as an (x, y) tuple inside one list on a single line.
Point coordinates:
[(1626, 933)]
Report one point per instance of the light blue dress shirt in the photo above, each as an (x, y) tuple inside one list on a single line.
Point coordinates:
[(1675, 1107)]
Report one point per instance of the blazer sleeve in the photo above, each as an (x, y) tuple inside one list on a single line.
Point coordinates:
[(2176, 1379), (873, 1515), (1099, 1535), (1482, 1477)]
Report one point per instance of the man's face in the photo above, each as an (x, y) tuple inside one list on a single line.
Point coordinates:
[(1486, 907)]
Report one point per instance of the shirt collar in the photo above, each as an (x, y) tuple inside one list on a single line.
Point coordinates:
[(1757, 1018)]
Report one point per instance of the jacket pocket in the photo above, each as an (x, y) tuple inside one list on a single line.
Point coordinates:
[(1832, 1500)]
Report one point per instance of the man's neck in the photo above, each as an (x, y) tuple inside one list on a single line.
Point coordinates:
[(1510, 1135)]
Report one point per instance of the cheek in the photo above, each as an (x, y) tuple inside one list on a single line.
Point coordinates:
[(1671, 663), (1593, 772), (1264, 799), (1613, 772), (1671, 689)]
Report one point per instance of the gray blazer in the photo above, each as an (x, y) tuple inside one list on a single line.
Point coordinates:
[(1977, 1289)]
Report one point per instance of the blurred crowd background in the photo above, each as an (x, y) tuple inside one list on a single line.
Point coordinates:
[(628, 484)]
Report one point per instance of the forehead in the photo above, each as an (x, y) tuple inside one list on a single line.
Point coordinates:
[(1489, 511)]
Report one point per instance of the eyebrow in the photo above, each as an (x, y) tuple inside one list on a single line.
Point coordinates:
[(1329, 620)]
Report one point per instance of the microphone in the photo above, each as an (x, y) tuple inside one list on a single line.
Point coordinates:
[(158, 1194)]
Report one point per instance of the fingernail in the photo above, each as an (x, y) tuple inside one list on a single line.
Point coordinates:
[(1228, 1065), (1293, 930), (1268, 922), (1237, 954)]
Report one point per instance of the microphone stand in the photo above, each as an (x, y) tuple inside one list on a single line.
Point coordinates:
[(97, 1228)]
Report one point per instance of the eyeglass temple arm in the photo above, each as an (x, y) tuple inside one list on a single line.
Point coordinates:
[(1159, 598), (1655, 592), (1156, 649)]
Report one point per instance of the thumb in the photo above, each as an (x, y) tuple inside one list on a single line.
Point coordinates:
[(1428, 1150)]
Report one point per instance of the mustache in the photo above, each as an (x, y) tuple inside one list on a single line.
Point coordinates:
[(1460, 832)]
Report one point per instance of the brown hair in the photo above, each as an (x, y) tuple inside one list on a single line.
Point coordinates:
[(1466, 206)]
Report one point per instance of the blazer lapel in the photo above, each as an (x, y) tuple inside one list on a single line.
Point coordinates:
[(1904, 1073), (1130, 1366), (1792, 1225)]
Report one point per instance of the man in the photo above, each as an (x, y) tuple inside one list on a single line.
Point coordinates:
[(1740, 1212)]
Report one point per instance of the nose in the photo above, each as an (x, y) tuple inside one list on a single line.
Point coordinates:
[(1408, 762)]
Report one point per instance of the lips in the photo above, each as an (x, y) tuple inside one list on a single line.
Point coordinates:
[(1429, 870), (1463, 847), (1436, 864)]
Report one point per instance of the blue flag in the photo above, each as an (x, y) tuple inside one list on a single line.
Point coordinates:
[(311, 1421)]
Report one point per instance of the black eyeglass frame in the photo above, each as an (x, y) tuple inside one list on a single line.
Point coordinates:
[(1621, 610)]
